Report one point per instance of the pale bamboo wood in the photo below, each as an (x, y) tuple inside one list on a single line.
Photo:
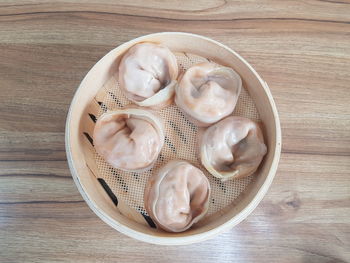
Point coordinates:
[(79, 156)]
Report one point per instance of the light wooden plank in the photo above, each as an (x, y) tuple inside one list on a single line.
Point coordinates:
[(305, 216), (300, 48)]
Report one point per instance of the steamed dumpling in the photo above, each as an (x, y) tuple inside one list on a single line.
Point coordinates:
[(147, 75), (177, 197), (129, 139), (232, 148), (208, 92)]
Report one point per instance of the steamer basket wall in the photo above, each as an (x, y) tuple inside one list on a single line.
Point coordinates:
[(113, 208)]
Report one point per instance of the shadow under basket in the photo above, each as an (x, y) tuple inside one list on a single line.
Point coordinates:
[(117, 196)]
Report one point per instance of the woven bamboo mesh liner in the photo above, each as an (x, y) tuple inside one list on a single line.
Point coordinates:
[(180, 143)]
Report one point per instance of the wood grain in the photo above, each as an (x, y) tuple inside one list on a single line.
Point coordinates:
[(301, 48)]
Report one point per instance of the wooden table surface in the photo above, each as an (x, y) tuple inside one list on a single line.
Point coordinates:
[(301, 48)]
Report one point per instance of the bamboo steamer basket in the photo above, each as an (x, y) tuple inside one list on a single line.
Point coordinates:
[(114, 197)]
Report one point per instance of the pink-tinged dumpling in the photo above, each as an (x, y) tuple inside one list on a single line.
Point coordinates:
[(147, 75), (208, 92), (232, 148), (177, 196), (129, 139)]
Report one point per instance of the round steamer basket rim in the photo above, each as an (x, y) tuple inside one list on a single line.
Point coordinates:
[(176, 240)]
